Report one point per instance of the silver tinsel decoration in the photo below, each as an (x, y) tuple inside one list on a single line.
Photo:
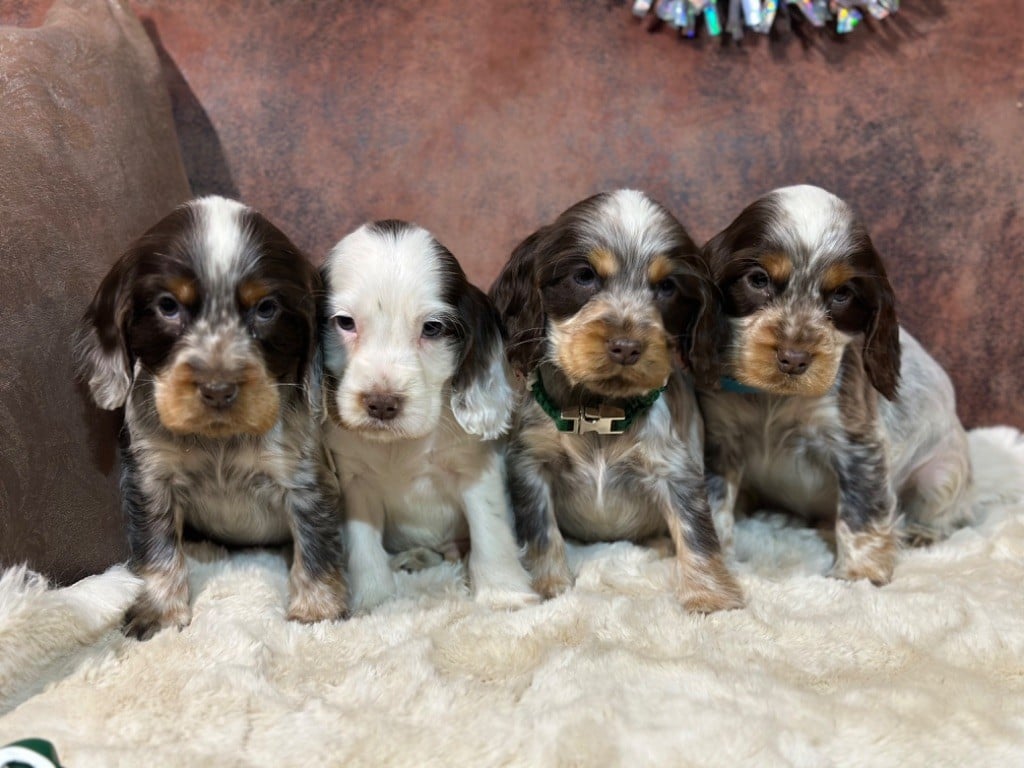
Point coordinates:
[(759, 15)]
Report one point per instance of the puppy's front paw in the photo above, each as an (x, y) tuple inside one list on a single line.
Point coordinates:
[(144, 619), (506, 598), (316, 600), (553, 583), (710, 588), (878, 572), (707, 601), (868, 554)]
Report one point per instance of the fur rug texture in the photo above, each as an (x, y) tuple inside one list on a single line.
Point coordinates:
[(928, 671)]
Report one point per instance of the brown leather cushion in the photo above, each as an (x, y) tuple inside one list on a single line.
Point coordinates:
[(89, 160)]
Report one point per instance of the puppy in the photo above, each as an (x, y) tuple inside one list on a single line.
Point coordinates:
[(827, 408), (205, 331), (417, 394), (603, 309)]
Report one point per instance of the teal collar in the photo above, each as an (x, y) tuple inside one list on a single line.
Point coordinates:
[(731, 385), (602, 419)]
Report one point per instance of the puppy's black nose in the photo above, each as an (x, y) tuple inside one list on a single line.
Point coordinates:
[(383, 407), (793, 361), (218, 394), (624, 351)]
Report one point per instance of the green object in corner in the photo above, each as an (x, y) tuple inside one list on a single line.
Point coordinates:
[(29, 753)]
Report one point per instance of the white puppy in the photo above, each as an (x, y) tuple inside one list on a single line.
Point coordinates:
[(417, 396)]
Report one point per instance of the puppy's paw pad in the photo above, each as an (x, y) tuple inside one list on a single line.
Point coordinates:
[(417, 559)]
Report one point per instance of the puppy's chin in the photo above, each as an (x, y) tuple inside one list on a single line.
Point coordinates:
[(376, 432), (619, 386), (782, 384), (182, 410)]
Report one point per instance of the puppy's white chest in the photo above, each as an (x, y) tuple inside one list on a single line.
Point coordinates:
[(418, 485)]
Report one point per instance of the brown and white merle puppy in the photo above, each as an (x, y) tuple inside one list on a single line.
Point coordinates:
[(603, 308), (827, 408), (205, 331)]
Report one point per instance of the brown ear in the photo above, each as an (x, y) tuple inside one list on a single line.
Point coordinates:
[(516, 297), (708, 333), (101, 347), (882, 340)]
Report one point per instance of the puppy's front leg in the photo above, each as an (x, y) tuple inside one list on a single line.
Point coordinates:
[(317, 579), (369, 568), (866, 541), (537, 527), (705, 584), (499, 579), (723, 489), (154, 537)]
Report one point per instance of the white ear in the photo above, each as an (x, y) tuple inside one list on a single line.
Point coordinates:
[(105, 371), (483, 406), (100, 351)]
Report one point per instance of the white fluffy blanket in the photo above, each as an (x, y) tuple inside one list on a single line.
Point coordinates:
[(814, 672)]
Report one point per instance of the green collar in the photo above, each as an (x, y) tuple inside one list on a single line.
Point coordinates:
[(602, 419)]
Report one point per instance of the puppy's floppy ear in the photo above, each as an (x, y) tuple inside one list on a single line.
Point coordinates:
[(705, 329), (516, 297), (101, 353), (882, 338), (482, 395), (707, 334)]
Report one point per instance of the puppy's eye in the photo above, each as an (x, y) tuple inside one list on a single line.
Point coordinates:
[(758, 280), (841, 296), (267, 309), (585, 276), (345, 323), (665, 289), (432, 329), (168, 307)]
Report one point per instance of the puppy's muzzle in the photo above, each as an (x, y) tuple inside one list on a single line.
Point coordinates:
[(624, 350), (382, 406), (219, 395), (793, 361)]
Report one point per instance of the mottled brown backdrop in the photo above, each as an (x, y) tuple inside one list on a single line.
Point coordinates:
[(482, 120)]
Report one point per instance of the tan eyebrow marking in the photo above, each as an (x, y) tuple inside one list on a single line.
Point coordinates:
[(778, 266), (659, 269), (251, 292), (603, 261), (836, 275), (183, 288)]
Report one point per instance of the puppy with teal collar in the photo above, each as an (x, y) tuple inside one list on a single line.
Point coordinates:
[(826, 408)]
